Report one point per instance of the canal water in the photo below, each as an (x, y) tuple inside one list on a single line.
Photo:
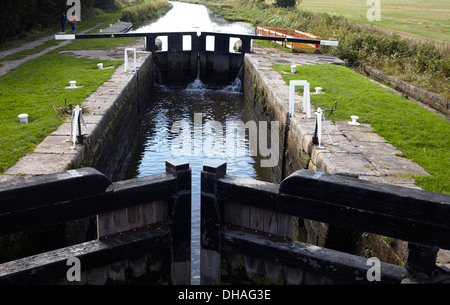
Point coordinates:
[(187, 17), (177, 116)]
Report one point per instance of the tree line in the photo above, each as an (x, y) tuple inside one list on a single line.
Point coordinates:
[(19, 17)]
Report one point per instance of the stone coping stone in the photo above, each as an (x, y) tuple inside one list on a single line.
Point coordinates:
[(35, 164), (54, 153), (353, 150)]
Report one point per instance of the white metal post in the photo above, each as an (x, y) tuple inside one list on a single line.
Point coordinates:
[(77, 115), (306, 97), (126, 58), (319, 126), (307, 101)]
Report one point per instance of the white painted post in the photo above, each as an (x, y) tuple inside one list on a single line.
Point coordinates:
[(307, 101), (77, 115), (306, 97), (291, 98), (319, 126), (126, 58)]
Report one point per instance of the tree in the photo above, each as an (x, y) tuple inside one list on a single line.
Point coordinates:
[(286, 3)]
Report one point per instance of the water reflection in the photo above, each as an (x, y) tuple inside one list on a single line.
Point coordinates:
[(187, 17), (168, 105)]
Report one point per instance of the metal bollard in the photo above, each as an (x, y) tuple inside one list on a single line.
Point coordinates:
[(75, 131)]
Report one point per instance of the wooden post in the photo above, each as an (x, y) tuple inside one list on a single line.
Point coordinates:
[(211, 223), (221, 57), (201, 47), (194, 55), (150, 43), (175, 57), (421, 262), (246, 45), (181, 222)]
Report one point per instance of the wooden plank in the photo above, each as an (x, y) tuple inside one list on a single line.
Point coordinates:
[(379, 213), (52, 265), (56, 213), (143, 190), (236, 214), (105, 224), (366, 221), (120, 223), (28, 193), (393, 200), (147, 211), (343, 267), (134, 218), (257, 217), (247, 191), (126, 193), (161, 210)]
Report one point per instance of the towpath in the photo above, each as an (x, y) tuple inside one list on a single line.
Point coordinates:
[(8, 65)]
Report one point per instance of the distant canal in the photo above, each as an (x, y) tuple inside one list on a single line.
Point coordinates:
[(170, 108)]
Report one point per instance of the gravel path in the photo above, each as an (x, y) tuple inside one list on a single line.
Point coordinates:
[(7, 66)]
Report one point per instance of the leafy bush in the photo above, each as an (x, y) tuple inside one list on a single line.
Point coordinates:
[(285, 3), (140, 13)]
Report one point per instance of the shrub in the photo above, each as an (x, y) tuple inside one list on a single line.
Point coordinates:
[(145, 11), (285, 3)]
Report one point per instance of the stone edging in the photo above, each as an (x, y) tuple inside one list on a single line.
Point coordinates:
[(54, 153), (355, 151), (426, 97)]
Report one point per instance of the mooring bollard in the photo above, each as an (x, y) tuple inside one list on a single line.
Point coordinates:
[(317, 138), (293, 68), (23, 118), (75, 130), (354, 121)]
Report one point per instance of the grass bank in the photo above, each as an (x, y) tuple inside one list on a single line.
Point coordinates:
[(423, 65), (145, 10), (422, 136), (37, 87)]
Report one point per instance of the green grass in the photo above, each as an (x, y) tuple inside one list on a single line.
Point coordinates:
[(424, 65), (98, 43), (25, 53), (424, 18), (422, 136), (37, 88)]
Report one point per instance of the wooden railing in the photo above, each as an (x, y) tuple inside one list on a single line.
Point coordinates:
[(250, 221), (145, 222), (140, 222)]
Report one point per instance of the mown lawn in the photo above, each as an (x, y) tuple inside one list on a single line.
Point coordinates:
[(422, 136), (37, 88)]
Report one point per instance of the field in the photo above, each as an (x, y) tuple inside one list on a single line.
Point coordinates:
[(428, 19)]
